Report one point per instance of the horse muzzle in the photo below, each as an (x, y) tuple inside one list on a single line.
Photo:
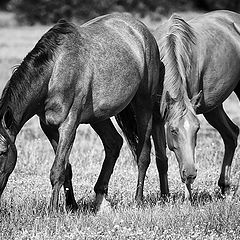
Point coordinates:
[(188, 175)]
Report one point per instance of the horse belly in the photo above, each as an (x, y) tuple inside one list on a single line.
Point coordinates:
[(219, 61), (109, 100), (114, 82), (220, 81)]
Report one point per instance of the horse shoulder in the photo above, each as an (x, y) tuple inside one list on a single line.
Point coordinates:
[(62, 88)]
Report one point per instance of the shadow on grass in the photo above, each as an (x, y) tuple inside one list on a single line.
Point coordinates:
[(86, 205), (203, 197), (118, 200), (199, 198)]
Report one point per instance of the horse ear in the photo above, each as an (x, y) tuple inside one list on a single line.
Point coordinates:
[(196, 100), (170, 101), (7, 118)]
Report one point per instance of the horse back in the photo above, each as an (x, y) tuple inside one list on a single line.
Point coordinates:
[(120, 29)]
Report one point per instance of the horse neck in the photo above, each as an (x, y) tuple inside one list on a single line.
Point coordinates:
[(175, 47), (174, 85), (24, 95)]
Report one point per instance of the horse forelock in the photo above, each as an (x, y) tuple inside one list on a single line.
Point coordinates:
[(176, 111), (176, 55)]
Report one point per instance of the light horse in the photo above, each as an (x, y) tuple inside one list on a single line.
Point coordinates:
[(202, 67), (82, 74)]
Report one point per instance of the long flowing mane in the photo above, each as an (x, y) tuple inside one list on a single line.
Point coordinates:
[(21, 82), (176, 54)]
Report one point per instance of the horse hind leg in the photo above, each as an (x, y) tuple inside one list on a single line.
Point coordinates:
[(136, 123), (144, 130), (112, 143), (229, 132), (53, 136)]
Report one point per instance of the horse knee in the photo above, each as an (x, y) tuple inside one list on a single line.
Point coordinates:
[(57, 176), (144, 161)]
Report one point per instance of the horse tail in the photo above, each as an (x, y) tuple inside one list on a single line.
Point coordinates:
[(126, 120)]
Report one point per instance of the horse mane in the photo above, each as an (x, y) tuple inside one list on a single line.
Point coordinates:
[(176, 55), (42, 54)]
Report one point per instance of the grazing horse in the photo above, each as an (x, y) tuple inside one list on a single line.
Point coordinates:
[(81, 74), (201, 60)]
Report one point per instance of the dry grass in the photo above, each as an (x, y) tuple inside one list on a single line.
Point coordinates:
[(24, 202)]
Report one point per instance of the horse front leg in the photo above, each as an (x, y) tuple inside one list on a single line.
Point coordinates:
[(53, 136), (159, 139), (61, 172), (112, 143)]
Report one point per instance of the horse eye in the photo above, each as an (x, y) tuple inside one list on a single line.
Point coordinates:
[(174, 131)]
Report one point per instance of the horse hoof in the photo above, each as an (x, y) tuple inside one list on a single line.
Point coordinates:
[(225, 189), (139, 202), (101, 204), (104, 207), (165, 197), (72, 207)]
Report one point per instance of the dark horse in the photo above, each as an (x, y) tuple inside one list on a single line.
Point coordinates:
[(202, 67), (82, 74)]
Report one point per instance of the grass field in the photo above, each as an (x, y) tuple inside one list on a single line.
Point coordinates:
[(23, 210)]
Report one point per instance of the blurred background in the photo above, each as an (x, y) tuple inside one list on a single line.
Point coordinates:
[(47, 11)]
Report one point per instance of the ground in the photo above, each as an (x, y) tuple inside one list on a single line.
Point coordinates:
[(24, 213)]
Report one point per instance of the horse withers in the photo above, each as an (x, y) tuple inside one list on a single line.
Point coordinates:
[(201, 59), (82, 74)]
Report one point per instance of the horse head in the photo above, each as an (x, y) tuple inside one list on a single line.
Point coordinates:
[(8, 151), (181, 132)]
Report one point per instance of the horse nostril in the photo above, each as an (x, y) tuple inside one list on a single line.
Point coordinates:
[(191, 178), (187, 175)]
